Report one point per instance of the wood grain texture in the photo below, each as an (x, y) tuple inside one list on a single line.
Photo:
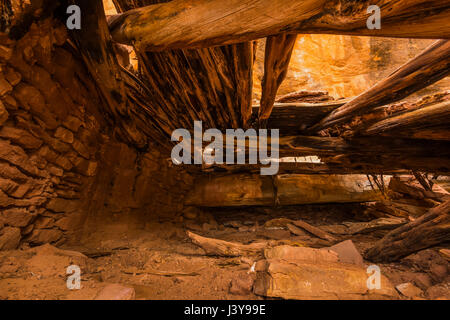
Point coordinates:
[(429, 230), (213, 85), (205, 23), (276, 63), (430, 122)]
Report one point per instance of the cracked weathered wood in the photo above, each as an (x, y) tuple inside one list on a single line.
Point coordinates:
[(276, 63), (251, 190), (429, 122), (204, 23), (210, 84), (429, 230)]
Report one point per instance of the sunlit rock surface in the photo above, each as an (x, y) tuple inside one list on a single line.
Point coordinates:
[(344, 66)]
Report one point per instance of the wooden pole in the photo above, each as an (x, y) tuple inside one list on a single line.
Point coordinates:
[(182, 24)]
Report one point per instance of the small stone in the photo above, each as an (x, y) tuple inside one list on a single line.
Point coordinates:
[(116, 292), (87, 168), (190, 213), (438, 291), (5, 87), (242, 285), (12, 76), (64, 135), (21, 137), (409, 290), (438, 271), (17, 217), (5, 52), (422, 280), (289, 253), (41, 236), (445, 253), (9, 238), (72, 123), (348, 253), (3, 114)]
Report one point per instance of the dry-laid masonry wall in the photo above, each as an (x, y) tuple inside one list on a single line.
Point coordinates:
[(59, 163)]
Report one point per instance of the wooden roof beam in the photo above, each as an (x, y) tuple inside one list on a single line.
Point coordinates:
[(181, 24)]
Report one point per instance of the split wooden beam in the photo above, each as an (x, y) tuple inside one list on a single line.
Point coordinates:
[(295, 118), (431, 122), (183, 24), (429, 230), (257, 190), (427, 68), (209, 84), (278, 54)]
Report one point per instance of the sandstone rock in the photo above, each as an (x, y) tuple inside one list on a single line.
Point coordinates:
[(300, 280), (116, 292), (311, 255), (12, 76), (424, 259), (5, 87), (64, 135), (409, 290), (17, 217), (423, 281), (44, 222), (49, 250), (6, 201), (31, 99), (41, 236), (439, 291), (9, 238), (10, 102), (344, 65), (191, 213), (81, 149), (242, 284), (87, 168), (15, 155), (66, 223), (3, 114), (8, 186), (5, 52), (72, 123), (348, 253), (63, 205), (55, 170), (438, 271), (445, 253), (21, 137)]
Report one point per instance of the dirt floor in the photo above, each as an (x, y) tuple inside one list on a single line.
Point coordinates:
[(159, 261)]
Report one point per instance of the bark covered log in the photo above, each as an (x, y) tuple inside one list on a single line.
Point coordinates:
[(429, 230)]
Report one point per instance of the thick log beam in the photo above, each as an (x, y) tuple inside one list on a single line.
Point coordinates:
[(430, 122), (364, 153), (427, 68), (276, 63), (429, 230), (253, 190), (293, 118), (204, 23)]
